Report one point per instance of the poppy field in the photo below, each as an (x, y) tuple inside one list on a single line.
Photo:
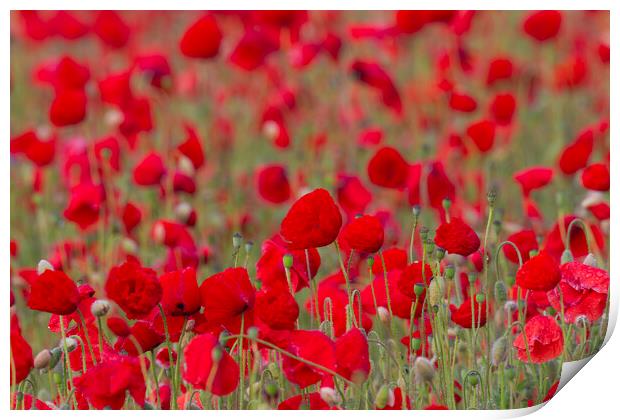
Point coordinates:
[(306, 210)]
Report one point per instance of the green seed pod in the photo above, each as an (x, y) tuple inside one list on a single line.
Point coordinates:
[(533, 253), (446, 204), (216, 354), (382, 397), (471, 278), (423, 233), (439, 253), (429, 246), (434, 293), (418, 288), (416, 210), (473, 379), (237, 240), (248, 246), (416, 343), (287, 261), (449, 272), (501, 294), (480, 297), (370, 261)]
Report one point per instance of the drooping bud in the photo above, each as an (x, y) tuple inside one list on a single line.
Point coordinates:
[(55, 354), (70, 343), (501, 293), (183, 211), (499, 351), (42, 359), (43, 266), (186, 166), (100, 307), (567, 256)]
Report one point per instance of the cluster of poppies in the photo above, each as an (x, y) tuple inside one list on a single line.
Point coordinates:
[(429, 189)]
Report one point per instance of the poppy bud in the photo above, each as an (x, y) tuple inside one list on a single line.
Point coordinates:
[(499, 351), (416, 210), (252, 333), (510, 306), (70, 343), (129, 246), (423, 370), (237, 240), (329, 395), (567, 256), (159, 233), (183, 211), (590, 260), (287, 260), (381, 400), (492, 197), (500, 292), (43, 266), (581, 321), (100, 307), (186, 166), (55, 354), (449, 272), (248, 246), (383, 314), (42, 360)]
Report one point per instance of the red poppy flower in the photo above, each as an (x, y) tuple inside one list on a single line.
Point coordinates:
[(502, 108), (313, 346), (273, 185), (543, 25), (555, 244), (180, 294), (150, 170), (68, 107), (227, 295), (192, 147), (375, 76), (270, 269), (312, 401), (457, 237), (438, 185), (106, 385), (332, 288), (202, 39), (39, 152), (526, 241), (545, 341), (111, 29), (277, 308), (68, 26), (575, 156), (533, 178), (353, 197), (53, 292), (118, 326), (21, 355), (500, 69), (584, 292), (352, 356), (220, 377), (468, 315), (134, 288), (596, 177), (142, 338), (462, 102), (131, 217), (412, 275), (313, 221), (388, 169), (84, 205), (395, 259), (401, 303), (252, 50), (541, 272), (483, 134), (364, 234)]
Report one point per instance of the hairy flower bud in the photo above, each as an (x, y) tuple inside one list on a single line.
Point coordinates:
[(590, 260), (100, 307), (383, 396), (501, 293), (499, 351), (329, 395), (43, 266), (423, 369), (383, 314), (42, 359)]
